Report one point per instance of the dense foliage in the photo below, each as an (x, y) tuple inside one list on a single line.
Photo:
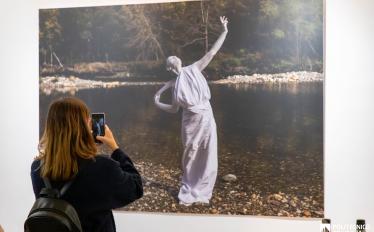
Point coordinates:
[(264, 35)]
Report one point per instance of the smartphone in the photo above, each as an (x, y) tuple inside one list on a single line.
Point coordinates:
[(326, 225), (98, 125)]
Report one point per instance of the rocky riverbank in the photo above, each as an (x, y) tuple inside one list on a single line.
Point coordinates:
[(161, 187), (63, 84), (289, 77), (72, 84)]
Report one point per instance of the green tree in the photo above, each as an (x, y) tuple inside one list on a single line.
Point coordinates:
[(49, 34)]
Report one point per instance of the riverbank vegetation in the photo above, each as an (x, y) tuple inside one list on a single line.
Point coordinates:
[(265, 36)]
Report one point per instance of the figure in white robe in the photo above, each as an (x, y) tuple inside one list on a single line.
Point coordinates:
[(190, 91)]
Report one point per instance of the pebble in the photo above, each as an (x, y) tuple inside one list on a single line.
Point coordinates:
[(277, 203), (234, 199), (72, 83), (278, 197), (307, 213), (229, 178), (293, 203), (214, 211), (289, 77), (320, 213)]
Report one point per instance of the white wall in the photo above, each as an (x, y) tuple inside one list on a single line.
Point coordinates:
[(18, 109), (349, 111), (349, 122)]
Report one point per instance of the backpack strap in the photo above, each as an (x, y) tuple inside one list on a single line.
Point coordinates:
[(64, 188), (48, 184)]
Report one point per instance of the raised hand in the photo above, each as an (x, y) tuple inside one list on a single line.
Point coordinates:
[(224, 22), (205, 60), (108, 139)]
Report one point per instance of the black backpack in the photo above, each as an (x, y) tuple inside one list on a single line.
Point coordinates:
[(50, 213)]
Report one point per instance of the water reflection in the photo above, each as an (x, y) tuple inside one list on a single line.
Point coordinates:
[(292, 87)]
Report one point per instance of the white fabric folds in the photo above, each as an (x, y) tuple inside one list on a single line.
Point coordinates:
[(199, 136)]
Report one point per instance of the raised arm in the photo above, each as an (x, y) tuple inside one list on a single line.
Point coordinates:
[(203, 62), (173, 108)]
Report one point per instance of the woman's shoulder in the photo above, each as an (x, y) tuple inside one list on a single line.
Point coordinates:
[(99, 162), (191, 66), (104, 160), (98, 166), (35, 165)]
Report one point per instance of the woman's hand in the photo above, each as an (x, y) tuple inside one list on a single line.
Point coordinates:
[(224, 22), (205, 60), (108, 139)]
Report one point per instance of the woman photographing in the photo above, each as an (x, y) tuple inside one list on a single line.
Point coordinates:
[(68, 151)]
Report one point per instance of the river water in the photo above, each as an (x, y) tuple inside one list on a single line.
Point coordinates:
[(270, 137)]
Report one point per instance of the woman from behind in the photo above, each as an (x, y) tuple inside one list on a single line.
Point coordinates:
[(67, 151)]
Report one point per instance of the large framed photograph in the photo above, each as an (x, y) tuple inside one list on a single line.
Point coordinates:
[(218, 103)]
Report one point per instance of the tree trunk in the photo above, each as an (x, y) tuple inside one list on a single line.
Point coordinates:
[(157, 46), (50, 48), (58, 60), (45, 56), (297, 45), (206, 32), (205, 19)]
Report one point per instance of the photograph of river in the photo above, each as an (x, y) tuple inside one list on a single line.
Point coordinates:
[(266, 87)]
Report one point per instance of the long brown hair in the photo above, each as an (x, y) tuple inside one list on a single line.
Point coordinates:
[(66, 137)]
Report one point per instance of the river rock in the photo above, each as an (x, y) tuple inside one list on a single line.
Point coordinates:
[(289, 77), (293, 203), (214, 211), (65, 84), (320, 213), (229, 178), (278, 197), (273, 202), (307, 213)]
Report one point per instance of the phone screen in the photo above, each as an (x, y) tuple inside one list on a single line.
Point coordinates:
[(98, 125)]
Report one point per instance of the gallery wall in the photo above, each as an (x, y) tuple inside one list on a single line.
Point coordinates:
[(349, 126)]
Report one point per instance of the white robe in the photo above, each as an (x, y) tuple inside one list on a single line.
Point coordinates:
[(199, 136)]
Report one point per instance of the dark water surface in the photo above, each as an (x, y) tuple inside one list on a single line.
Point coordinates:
[(270, 137)]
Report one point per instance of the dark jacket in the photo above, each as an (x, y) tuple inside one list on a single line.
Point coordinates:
[(101, 185)]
